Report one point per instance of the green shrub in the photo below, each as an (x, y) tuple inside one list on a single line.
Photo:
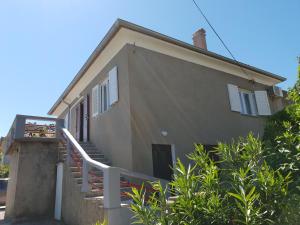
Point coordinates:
[(255, 182), (4, 171), (241, 189)]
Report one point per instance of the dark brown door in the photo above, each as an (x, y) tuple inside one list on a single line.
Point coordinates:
[(81, 110), (88, 117), (162, 161)]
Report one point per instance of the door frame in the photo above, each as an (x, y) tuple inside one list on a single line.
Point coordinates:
[(173, 151), (173, 154), (81, 121), (86, 118)]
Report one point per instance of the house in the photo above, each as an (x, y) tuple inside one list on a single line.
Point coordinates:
[(141, 100), (144, 99)]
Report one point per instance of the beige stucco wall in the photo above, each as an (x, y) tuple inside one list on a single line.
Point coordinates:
[(110, 132), (187, 100), (31, 188), (159, 92)]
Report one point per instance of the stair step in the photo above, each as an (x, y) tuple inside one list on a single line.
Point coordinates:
[(94, 193), (76, 174), (98, 198), (92, 155)]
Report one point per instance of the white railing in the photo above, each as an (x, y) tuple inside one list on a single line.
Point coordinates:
[(111, 175)]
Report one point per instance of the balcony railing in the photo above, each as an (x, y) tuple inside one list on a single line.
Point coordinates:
[(28, 128)]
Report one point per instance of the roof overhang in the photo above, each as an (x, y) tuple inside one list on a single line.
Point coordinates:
[(123, 32)]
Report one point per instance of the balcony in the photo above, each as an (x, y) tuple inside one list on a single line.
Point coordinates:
[(32, 128)]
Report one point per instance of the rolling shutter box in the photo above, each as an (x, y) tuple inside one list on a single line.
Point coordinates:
[(262, 102), (95, 100), (234, 98), (113, 86)]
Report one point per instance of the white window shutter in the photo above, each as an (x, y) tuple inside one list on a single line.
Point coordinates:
[(262, 102), (113, 86), (95, 100), (234, 98)]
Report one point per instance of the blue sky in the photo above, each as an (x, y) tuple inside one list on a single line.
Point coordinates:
[(43, 43)]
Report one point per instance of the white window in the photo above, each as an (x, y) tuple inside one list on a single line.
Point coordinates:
[(104, 96), (106, 93), (95, 100), (234, 98), (248, 103), (263, 105), (113, 86)]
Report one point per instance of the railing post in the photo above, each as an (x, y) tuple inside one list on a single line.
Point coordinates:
[(20, 127), (85, 176), (59, 124), (111, 184)]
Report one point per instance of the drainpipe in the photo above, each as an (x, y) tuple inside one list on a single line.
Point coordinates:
[(69, 113)]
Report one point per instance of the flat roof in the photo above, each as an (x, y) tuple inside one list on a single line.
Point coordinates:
[(131, 26)]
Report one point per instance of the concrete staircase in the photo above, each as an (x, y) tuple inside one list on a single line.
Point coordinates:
[(89, 207), (96, 177)]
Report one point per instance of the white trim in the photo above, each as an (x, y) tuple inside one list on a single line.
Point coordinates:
[(234, 98), (113, 86), (95, 100), (105, 83), (173, 152), (252, 102), (125, 36), (262, 101)]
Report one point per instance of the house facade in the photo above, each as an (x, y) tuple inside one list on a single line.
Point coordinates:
[(144, 99)]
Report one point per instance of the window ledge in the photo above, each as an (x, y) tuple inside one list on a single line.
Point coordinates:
[(255, 116)]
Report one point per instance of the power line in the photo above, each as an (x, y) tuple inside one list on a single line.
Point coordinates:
[(219, 37)]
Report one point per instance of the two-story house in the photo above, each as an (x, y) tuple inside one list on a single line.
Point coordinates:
[(144, 98)]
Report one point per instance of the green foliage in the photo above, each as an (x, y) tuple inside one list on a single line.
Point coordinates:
[(4, 171), (240, 189), (98, 223), (282, 144)]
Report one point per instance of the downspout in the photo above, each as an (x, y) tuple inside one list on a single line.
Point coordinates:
[(69, 112)]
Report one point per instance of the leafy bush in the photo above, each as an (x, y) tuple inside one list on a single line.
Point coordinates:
[(4, 171), (282, 144), (255, 182), (241, 189)]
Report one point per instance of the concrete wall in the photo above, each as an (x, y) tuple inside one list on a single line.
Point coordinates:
[(76, 210), (187, 100), (31, 188)]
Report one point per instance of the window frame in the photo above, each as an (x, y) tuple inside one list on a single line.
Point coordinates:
[(104, 85), (252, 102)]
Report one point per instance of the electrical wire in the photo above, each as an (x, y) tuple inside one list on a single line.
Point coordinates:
[(219, 37)]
